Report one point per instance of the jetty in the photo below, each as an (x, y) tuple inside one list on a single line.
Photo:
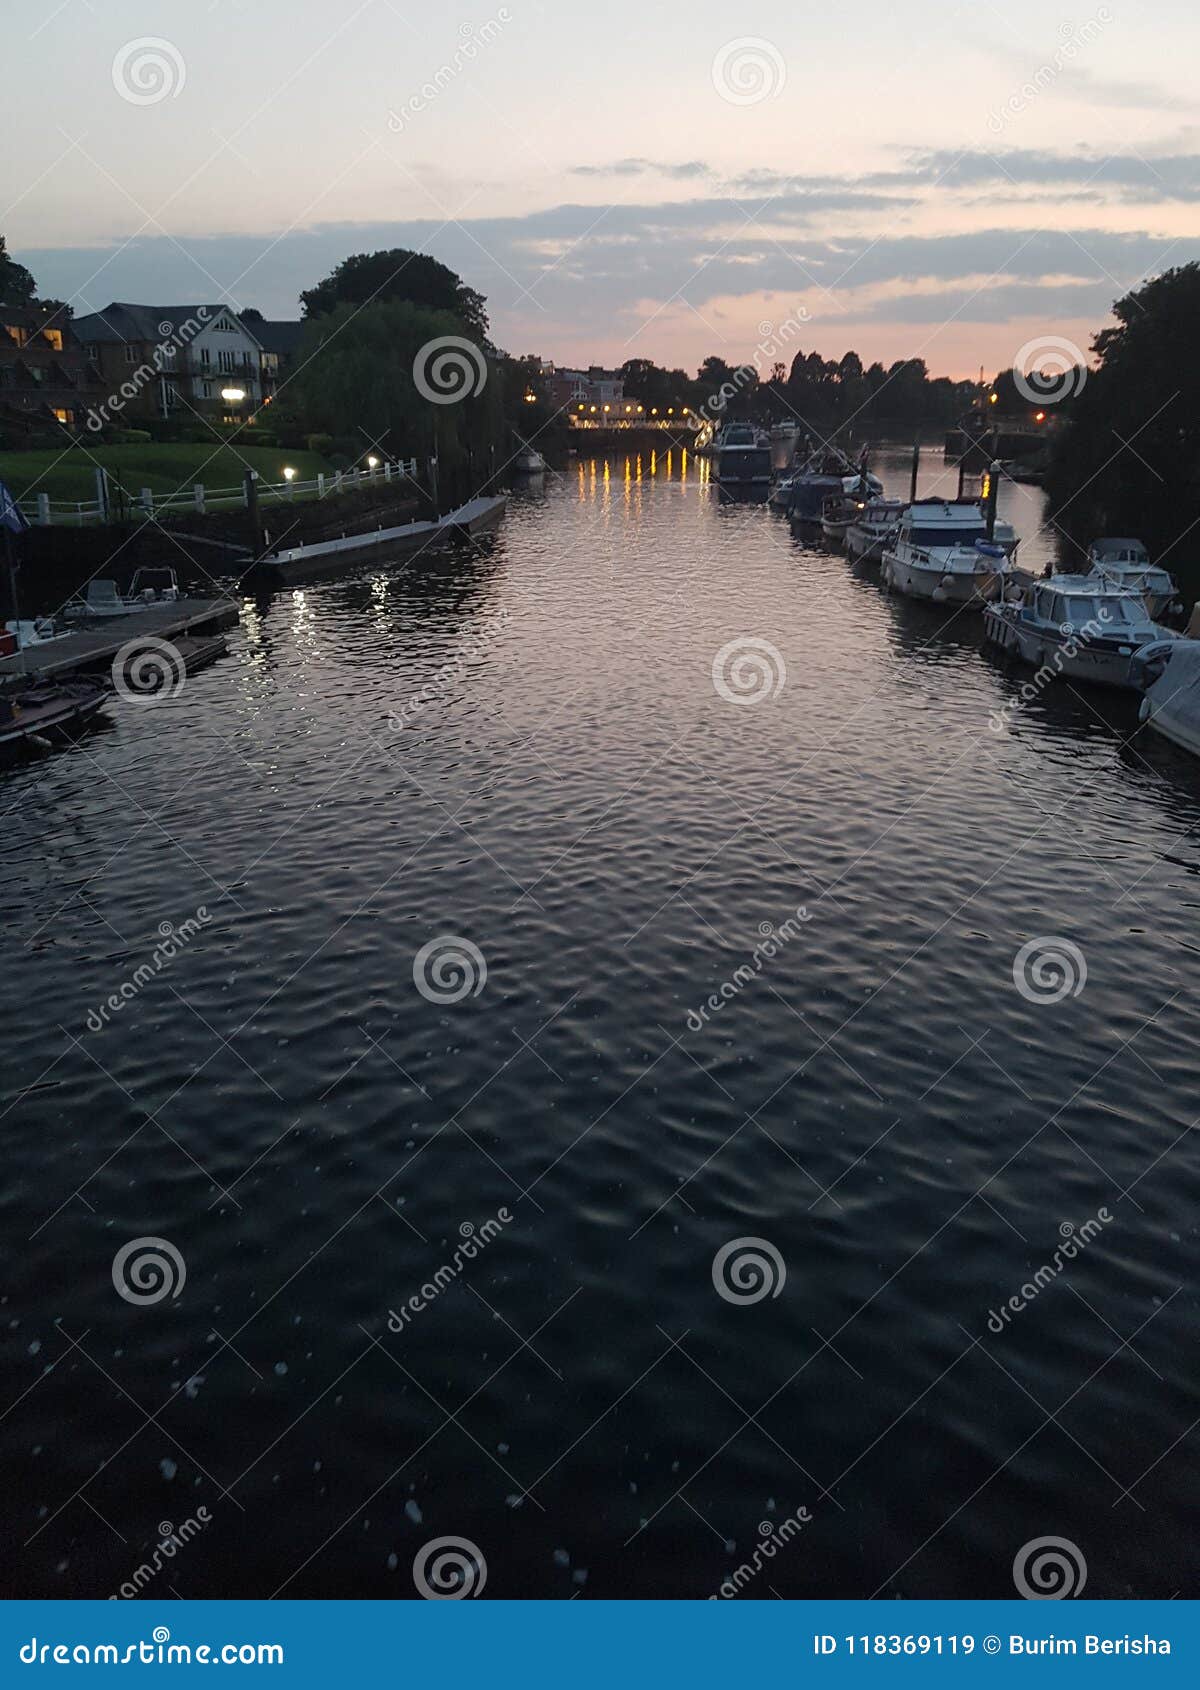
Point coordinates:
[(95, 647), (318, 561)]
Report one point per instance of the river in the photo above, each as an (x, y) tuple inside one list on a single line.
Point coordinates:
[(498, 923)]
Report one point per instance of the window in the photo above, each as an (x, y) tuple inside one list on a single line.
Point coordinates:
[(17, 333), (206, 389), (225, 363), (131, 353), (64, 416), (54, 336), (205, 358)]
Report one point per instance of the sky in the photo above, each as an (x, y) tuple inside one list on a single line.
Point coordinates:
[(949, 182)]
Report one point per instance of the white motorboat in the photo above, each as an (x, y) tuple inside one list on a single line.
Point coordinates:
[(941, 551), (873, 523), (1170, 673), (1074, 625), (1126, 563), (529, 461), (785, 430), (157, 585)]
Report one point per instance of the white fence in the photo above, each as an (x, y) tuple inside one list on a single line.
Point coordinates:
[(109, 504)]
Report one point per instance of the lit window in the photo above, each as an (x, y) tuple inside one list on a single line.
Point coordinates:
[(54, 336)]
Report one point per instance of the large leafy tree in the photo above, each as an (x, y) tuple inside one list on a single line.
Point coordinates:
[(376, 278), (16, 284), (1128, 460), (357, 378)]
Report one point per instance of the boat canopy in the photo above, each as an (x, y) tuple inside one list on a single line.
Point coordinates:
[(1174, 698)]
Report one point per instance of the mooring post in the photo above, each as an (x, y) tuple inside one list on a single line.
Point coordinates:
[(253, 513), (916, 464), (993, 491)]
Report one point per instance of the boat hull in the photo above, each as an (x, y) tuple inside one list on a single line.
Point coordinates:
[(1059, 655), (938, 585)]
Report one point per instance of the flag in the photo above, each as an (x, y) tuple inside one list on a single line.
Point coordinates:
[(11, 515)]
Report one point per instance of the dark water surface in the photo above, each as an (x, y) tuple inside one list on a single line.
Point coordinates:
[(562, 785)]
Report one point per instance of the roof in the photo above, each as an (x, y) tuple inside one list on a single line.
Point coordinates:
[(123, 323), (280, 337), (933, 511)]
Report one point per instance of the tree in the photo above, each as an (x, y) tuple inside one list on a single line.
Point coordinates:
[(1142, 393), (380, 277), (364, 374), (17, 286)]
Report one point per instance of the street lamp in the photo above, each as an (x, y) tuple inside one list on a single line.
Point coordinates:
[(372, 463), (289, 475), (233, 395)]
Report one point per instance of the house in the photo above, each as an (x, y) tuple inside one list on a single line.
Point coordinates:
[(594, 386), (46, 377), (280, 342), (177, 361)]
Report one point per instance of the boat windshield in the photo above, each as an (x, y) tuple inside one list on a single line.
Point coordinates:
[(945, 537), (1104, 612)]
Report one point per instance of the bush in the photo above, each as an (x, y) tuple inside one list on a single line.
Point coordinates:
[(320, 443)]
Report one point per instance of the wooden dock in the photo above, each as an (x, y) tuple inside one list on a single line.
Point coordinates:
[(95, 646)]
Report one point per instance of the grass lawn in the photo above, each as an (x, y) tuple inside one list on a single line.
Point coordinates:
[(162, 468)]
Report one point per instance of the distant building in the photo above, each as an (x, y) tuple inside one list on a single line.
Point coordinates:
[(46, 377), (174, 361), (280, 342), (593, 386)]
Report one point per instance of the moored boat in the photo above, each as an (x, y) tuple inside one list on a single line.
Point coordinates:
[(941, 551), (1170, 674), (1074, 625), (1126, 563), (742, 458), (35, 713), (874, 521)]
